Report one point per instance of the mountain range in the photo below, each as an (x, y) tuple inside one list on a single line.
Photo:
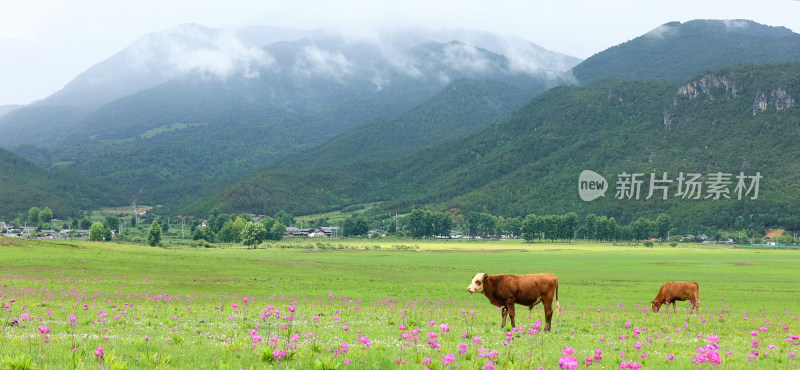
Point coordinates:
[(315, 121)]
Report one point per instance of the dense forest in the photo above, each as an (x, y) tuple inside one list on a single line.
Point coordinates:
[(676, 51), (66, 193)]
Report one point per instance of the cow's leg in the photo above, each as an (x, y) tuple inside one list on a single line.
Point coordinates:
[(695, 303), (548, 313), (511, 314), (674, 306), (505, 313)]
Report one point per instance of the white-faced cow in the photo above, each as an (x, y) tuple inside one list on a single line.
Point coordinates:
[(677, 291), (528, 290)]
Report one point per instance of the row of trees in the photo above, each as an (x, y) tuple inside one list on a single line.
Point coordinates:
[(228, 228), (420, 223), (424, 223)]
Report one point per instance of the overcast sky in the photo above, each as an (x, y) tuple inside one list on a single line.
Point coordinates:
[(46, 43)]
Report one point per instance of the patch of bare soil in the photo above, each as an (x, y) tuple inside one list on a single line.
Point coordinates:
[(709, 264), (285, 261), (472, 251)]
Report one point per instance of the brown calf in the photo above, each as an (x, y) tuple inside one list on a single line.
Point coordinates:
[(677, 291), (527, 290)]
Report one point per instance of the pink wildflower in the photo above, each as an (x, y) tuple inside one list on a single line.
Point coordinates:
[(448, 359), (568, 362), (44, 330)]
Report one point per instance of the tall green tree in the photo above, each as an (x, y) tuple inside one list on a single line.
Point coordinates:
[(277, 231), (45, 215), (284, 218), (442, 223), (513, 226), (227, 234), (419, 223), (204, 233), (531, 227), (569, 222), (253, 234), (663, 224), (113, 222), (154, 235), (362, 226), (33, 216), (97, 231), (355, 226), (348, 227), (591, 226), (641, 228), (107, 235)]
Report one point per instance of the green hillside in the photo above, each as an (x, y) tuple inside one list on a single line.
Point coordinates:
[(677, 51), (459, 110), (462, 108), (24, 185), (172, 143), (731, 120)]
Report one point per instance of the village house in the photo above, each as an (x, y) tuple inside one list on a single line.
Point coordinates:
[(321, 232)]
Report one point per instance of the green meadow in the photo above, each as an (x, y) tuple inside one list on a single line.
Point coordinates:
[(239, 308)]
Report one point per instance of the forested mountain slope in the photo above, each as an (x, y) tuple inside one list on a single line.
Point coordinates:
[(24, 185), (734, 120), (459, 110), (677, 51), (168, 143)]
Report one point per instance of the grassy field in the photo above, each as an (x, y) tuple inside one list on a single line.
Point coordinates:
[(388, 303)]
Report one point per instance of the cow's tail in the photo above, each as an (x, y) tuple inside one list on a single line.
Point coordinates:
[(558, 305)]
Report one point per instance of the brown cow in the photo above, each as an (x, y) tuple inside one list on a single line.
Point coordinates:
[(528, 290), (677, 291)]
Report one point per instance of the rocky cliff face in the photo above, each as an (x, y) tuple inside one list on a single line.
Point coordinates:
[(711, 87), (778, 98), (724, 86)]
